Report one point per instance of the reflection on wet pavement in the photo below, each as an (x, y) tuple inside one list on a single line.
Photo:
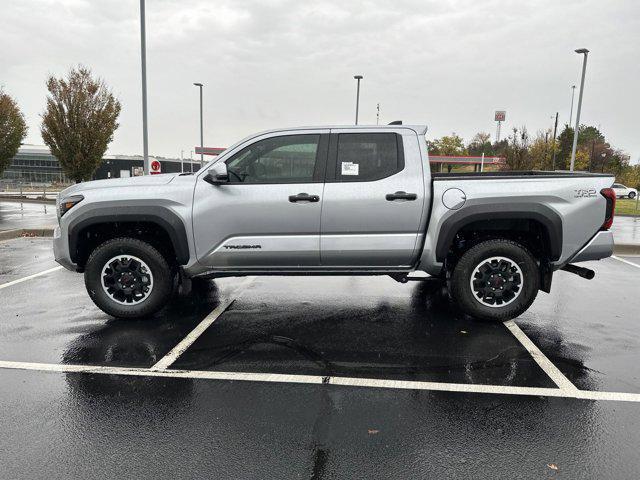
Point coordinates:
[(381, 334), (27, 215), (626, 230)]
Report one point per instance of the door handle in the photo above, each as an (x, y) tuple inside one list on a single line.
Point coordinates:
[(401, 196), (304, 197)]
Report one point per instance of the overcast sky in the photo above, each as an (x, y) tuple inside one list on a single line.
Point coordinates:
[(268, 64)]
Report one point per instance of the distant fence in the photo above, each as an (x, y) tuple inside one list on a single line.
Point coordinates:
[(30, 195)]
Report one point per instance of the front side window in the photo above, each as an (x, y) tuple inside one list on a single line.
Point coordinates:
[(367, 156), (285, 159)]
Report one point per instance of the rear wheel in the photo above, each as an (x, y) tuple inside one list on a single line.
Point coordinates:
[(128, 278), (495, 280)]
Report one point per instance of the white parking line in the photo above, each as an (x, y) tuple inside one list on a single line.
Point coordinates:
[(317, 380), (625, 261), (187, 341), (540, 358), (29, 277)]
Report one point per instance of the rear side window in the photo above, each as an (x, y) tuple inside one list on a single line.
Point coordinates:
[(365, 157)]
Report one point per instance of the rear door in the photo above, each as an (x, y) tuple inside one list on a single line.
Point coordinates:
[(268, 214), (374, 198)]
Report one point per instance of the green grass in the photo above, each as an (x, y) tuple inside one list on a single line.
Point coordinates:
[(627, 207)]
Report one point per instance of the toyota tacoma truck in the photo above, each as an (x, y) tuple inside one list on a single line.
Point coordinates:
[(334, 201)]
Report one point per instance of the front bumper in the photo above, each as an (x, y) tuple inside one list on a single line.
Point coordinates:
[(61, 250), (600, 246)]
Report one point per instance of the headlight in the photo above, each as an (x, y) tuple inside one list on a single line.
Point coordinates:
[(69, 202)]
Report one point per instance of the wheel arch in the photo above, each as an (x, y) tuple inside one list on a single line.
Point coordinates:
[(114, 219), (489, 217)]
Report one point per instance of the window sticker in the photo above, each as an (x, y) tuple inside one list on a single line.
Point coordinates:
[(350, 168)]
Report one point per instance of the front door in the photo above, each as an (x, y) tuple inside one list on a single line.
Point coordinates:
[(268, 214), (373, 200)]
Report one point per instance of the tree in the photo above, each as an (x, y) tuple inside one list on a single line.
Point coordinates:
[(448, 145), (587, 137), (13, 129), (541, 152), (480, 143), (79, 120), (518, 156)]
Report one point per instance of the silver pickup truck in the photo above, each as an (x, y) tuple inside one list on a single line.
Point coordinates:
[(337, 201)]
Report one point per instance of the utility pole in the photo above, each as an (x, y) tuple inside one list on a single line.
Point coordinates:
[(584, 52), (378, 115), (555, 129), (358, 78), (143, 58), (181, 161), (199, 85)]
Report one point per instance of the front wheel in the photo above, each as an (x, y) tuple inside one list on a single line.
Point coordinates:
[(128, 278), (632, 195), (495, 280)]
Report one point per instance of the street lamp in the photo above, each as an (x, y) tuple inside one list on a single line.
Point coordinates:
[(199, 85), (573, 94), (585, 52), (143, 61), (358, 78)]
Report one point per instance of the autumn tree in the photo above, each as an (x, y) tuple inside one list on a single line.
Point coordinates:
[(79, 120), (450, 145), (518, 156), (13, 129), (480, 143)]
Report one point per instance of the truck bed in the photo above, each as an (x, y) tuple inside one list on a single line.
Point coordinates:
[(517, 174)]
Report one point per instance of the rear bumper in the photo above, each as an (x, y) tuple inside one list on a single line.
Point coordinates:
[(600, 246)]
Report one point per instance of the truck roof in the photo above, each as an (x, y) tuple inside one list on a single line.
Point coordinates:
[(419, 129)]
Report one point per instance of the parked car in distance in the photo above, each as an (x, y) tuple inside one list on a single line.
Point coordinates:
[(622, 191), (355, 200)]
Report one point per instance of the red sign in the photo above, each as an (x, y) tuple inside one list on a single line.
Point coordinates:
[(501, 115), (155, 167)]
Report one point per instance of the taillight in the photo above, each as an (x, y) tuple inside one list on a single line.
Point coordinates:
[(610, 196)]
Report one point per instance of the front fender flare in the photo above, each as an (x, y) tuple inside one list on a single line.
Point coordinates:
[(164, 217)]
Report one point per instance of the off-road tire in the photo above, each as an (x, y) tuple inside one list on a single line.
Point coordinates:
[(460, 283), (160, 269)]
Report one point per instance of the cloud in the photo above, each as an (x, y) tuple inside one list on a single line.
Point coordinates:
[(276, 63)]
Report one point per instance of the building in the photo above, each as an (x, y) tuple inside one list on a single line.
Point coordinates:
[(34, 165)]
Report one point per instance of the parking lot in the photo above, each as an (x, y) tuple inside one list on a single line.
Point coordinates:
[(316, 377)]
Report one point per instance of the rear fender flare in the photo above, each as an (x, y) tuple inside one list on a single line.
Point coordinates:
[(548, 217)]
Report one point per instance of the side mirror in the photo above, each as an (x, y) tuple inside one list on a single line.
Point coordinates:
[(217, 174)]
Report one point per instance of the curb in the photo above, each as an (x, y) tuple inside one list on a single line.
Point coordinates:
[(626, 249), (26, 232)]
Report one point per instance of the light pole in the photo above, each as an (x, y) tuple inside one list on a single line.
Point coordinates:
[(358, 78), (143, 58), (585, 52), (573, 94), (199, 85), (555, 129)]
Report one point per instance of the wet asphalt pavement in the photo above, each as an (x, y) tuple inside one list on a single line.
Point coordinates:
[(27, 215), (89, 425)]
